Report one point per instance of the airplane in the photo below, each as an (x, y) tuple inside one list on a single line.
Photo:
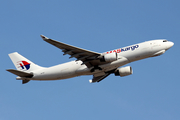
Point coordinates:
[(100, 65)]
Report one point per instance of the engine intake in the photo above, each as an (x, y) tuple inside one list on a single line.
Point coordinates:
[(109, 57), (125, 71)]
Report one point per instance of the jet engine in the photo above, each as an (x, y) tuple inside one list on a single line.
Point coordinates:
[(124, 71), (109, 57)]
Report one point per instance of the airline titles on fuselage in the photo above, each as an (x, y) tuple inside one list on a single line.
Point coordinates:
[(123, 49)]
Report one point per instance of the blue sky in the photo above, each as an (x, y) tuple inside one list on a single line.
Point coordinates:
[(151, 93)]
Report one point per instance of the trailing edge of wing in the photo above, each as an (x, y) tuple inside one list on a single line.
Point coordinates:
[(20, 73)]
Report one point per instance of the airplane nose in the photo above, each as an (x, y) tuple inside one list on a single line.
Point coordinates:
[(170, 44)]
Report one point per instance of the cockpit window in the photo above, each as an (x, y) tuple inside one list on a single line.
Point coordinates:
[(164, 40)]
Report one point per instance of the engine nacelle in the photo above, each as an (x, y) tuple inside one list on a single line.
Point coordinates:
[(123, 71), (109, 57)]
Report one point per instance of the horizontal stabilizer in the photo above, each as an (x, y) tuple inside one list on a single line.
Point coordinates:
[(20, 73)]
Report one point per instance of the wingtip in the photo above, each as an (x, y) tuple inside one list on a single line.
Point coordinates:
[(90, 81), (44, 37), (25, 81)]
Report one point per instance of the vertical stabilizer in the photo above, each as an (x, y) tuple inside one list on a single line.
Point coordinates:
[(23, 64)]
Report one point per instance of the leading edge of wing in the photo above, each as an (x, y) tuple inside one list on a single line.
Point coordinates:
[(64, 46)]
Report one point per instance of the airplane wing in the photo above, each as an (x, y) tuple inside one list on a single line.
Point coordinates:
[(87, 57), (99, 78)]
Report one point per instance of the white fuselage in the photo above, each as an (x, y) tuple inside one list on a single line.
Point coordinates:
[(125, 55)]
